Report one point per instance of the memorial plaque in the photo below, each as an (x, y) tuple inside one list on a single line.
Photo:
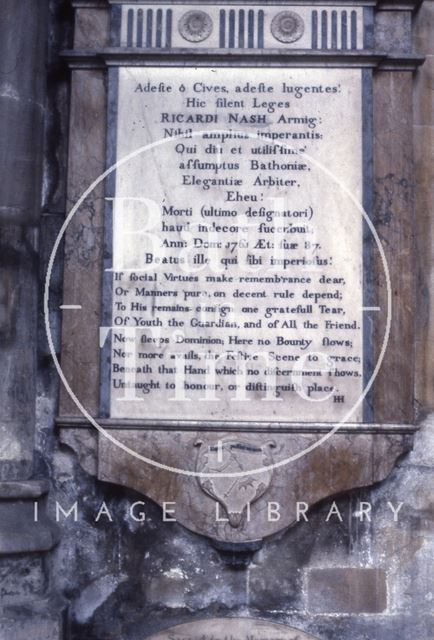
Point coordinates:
[(234, 628), (236, 238), (234, 346), (243, 329)]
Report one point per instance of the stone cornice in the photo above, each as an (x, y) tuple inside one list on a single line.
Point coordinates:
[(72, 422), (384, 5), (113, 57)]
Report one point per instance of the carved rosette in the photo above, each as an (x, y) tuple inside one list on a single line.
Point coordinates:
[(287, 26), (195, 26)]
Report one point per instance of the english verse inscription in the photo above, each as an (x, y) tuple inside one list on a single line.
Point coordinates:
[(236, 272)]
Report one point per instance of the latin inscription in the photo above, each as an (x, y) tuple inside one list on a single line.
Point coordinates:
[(237, 253)]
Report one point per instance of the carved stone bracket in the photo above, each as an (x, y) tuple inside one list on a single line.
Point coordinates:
[(238, 509)]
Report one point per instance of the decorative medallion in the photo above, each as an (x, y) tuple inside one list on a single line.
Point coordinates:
[(226, 458), (195, 26), (287, 26)]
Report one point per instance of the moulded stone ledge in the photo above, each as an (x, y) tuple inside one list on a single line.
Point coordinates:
[(21, 530), (25, 489)]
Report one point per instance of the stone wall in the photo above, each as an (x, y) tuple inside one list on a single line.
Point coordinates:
[(348, 579), (352, 579)]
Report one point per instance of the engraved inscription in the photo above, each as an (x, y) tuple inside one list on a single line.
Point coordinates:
[(237, 256)]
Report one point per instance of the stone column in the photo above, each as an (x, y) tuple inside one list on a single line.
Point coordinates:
[(22, 83), (22, 92), (423, 132), (394, 215)]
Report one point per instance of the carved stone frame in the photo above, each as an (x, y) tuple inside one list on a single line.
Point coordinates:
[(359, 454)]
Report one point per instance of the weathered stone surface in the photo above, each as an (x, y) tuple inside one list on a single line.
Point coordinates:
[(423, 26), (423, 106), (56, 122), (21, 578), (408, 550), (92, 28), (338, 464), (347, 590), (173, 573), (35, 627), (424, 229), (424, 200), (19, 490), (25, 528), (22, 88), (236, 628), (19, 533), (85, 443), (394, 220), (94, 595), (17, 329), (393, 31), (83, 260)]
